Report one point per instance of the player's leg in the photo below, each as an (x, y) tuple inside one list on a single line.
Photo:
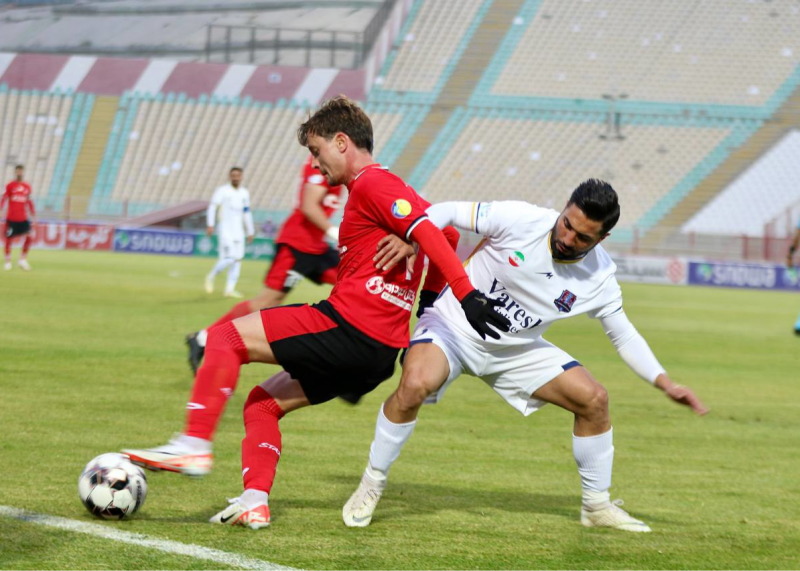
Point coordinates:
[(261, 448), (237, 251), (797, 325), (425, 370), (229, 347), (592, 444), (226, 259), (26, 245), (196, 342), (8, 235)]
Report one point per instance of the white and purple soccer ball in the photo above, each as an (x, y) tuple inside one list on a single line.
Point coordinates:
[(111, 487)]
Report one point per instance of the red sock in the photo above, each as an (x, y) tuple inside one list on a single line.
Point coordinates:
[(8, 248), (26, 245), (215, 381), (261, 447), (239, 310)]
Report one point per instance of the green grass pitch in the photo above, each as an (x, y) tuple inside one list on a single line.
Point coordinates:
[(92, 360)]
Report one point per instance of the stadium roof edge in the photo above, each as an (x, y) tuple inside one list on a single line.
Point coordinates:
[(192, 7)]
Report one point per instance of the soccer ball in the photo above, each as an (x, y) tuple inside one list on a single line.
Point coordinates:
[(111, 487)]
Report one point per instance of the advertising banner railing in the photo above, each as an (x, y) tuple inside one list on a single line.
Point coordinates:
[(749, 276)]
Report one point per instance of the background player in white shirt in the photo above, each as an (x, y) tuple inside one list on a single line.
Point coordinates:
[(543, 266), (233, 202)]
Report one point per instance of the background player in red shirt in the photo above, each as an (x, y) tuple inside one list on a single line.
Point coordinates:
[(302, 251), (344, 346), (18, 196)]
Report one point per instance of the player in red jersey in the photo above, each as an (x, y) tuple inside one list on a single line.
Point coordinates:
[(344, 346), (302, 252), (18, 196)]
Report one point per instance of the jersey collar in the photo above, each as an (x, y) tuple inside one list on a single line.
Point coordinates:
[(368, 167)]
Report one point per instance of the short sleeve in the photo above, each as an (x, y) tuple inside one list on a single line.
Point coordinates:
[(313, 176), (610, 300), (391, 203)]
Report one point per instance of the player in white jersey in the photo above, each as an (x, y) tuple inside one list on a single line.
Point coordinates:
[(543, 266), (233, 203)]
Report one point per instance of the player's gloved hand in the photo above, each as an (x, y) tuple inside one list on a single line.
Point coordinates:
[(426, 299), (333, 233), (481, 313)]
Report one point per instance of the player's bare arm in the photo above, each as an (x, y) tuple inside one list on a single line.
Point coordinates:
[(311, 206)]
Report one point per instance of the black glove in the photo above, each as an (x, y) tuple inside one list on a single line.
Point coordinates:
[(426, 299), (480, 311)]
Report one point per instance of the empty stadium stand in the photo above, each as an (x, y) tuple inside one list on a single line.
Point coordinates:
[(43, 131), (169, 150), (427, 49), (642, 51), (540, 156)]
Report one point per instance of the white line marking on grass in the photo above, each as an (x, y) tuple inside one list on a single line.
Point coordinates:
[(165, 545)]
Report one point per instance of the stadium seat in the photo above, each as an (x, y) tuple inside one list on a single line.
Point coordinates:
[(167, 150), (541, 156), (651, 52)]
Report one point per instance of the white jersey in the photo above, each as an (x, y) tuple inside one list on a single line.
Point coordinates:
[(515, 265), (234, 212)]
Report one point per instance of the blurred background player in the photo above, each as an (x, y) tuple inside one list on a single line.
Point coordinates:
[(302, 251), (790, 264), (233, 201), (18, 196)]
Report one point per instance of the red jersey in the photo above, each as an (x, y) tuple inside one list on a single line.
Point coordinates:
[(18, 196), (298, 231), (377, 304)]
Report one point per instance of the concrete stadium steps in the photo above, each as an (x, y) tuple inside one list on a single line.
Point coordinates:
[(460, 85), (785, 119), (91, 154)]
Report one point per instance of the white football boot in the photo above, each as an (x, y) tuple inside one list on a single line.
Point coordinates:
[(209, 284), (358, 510), (239, 514), (7, 266), (24, 265), (175, 456), (233, 293), (613, 516)]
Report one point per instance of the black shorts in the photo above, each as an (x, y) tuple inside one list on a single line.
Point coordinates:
[(291, 265), (328, 356), (14, 229)]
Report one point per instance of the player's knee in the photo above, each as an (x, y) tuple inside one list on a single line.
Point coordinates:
[(597, 404), (414, 388), (260, 404)]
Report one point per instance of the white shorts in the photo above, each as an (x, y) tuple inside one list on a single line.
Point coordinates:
[(231, 248), (514, 373)]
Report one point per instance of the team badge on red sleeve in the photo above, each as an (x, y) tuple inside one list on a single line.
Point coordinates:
[(401, 208)]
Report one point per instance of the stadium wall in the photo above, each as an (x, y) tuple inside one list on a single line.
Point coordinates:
[(153, 77)]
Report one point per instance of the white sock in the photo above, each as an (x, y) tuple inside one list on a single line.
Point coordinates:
[(253, 498), (220, 266), (233, 275), (197, 445), (202, 337), (389, 440), (595, 458)]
